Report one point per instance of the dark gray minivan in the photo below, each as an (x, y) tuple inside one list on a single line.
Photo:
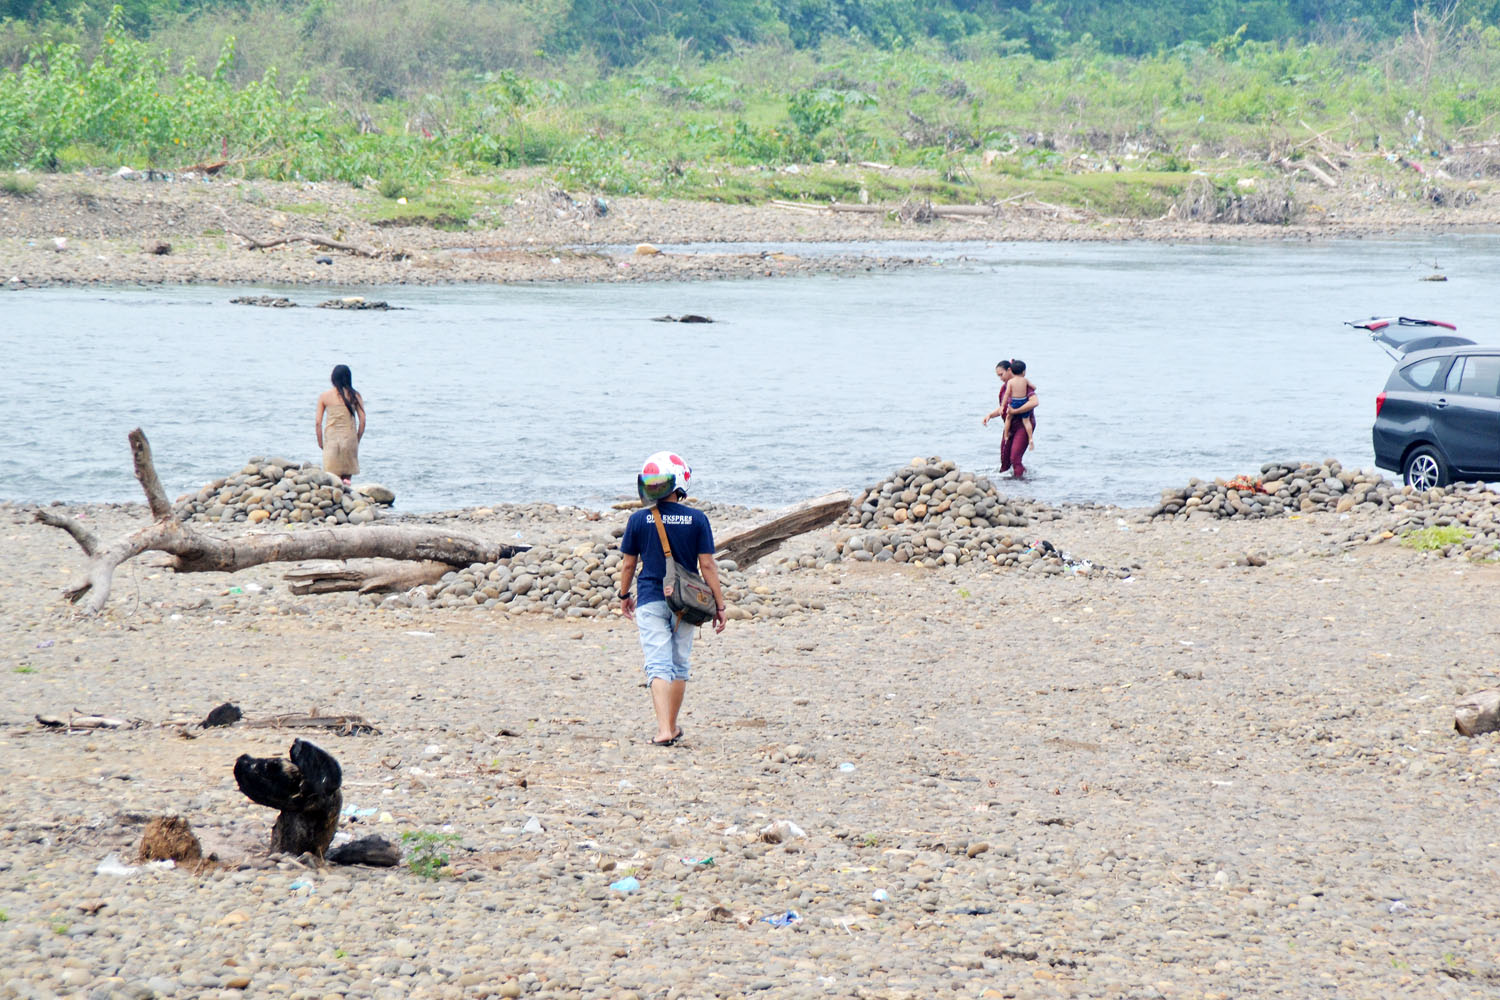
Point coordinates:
[(1438, 418)]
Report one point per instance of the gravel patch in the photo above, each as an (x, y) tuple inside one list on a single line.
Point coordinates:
[(1211, 780)]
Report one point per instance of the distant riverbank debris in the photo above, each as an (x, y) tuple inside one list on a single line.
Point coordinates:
[(684, 318), (282, 302), (354, 302), (264, 301)]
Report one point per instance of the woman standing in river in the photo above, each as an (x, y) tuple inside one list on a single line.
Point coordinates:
[(340, 438)]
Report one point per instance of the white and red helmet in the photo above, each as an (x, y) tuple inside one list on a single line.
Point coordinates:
[(661, 475)]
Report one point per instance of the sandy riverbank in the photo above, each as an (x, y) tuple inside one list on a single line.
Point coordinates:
[(1212, 780), (105, 224)]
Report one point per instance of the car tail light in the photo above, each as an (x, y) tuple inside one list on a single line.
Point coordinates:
[(1379, 403)]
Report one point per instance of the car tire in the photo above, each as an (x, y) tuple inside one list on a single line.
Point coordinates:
[(1424, 468)]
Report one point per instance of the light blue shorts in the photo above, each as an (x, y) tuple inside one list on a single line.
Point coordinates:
[(666, 649)]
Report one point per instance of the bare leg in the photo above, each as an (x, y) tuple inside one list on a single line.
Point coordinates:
[(666, 700), (1030, 433)]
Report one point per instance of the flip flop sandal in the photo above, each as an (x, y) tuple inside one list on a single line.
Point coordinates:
[(668, 743)]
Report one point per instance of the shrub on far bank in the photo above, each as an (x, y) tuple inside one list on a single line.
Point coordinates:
[(17, 185)]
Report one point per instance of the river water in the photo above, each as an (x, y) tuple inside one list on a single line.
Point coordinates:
[(1154, 363)]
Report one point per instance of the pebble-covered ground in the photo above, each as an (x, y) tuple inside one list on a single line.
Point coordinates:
[(92, 228), (1210, 779)]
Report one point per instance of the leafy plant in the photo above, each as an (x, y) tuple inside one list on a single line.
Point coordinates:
[(426, 852), (24, 668), (1435, 537)]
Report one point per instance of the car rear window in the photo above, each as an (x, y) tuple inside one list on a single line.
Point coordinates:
[(1423, 374), (1475, 375)]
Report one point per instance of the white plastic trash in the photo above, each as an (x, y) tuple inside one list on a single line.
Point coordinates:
[(111, 865)]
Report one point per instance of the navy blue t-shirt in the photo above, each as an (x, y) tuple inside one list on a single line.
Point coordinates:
[(689, 533)]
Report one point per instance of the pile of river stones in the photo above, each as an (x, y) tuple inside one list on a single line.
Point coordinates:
[(278, 491), (1282, 488), (931, 513), (1472, 508), (1327, 487), (575, 582)]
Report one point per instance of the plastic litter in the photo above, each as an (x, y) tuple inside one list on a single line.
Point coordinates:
[(111, 865), (356, 812), (46, 644), (627, 884), (880, 895), (301, 884), (533, 825), (1398, 906), (424, 635), (846, 767), (699, 862), (786, 919), (236, 590)]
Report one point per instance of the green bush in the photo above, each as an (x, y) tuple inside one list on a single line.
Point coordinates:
[(426, 852), (19, 185)]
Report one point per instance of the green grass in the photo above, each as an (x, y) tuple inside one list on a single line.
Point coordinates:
[(1435, 538), (24, 669), (435, 211), (315, 208)]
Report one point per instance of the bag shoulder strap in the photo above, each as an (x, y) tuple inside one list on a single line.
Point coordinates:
[(666, 551), (661, 531)]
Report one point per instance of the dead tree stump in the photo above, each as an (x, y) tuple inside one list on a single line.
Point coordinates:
[(305, 789)]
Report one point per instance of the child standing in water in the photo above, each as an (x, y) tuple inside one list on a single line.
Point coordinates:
[(1016, 392), (1020, 398)]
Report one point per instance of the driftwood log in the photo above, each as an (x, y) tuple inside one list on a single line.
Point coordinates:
[(305, 789), (809, 515), (373, 850), (343, 724), (317, 240), (379, 577), (199, 553)]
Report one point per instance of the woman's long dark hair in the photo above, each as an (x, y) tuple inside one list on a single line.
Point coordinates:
[(343, 381)]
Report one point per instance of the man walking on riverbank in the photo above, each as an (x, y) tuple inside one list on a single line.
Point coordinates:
[(665, 640)]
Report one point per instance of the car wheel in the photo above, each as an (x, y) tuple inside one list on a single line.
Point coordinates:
[(1424, 469)]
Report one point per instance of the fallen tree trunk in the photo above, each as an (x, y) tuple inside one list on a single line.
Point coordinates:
[(198, 553), (809, 515)]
